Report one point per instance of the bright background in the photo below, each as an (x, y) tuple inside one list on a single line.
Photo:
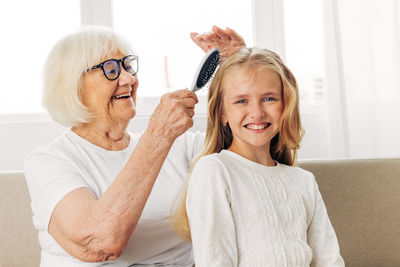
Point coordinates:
[(344, 54)]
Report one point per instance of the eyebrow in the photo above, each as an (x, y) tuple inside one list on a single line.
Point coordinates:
[(263, 95)]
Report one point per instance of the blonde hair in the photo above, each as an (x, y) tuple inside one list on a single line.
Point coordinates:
[(65, 66), (285, 143)]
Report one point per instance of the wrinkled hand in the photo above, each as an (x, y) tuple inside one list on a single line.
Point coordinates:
[(173, 115), (227, 41)]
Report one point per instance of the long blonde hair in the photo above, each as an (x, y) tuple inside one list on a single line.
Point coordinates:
[(284, 144)]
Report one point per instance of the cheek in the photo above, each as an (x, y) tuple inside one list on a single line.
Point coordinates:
[(96, 92), (134, 89), (278, 110)]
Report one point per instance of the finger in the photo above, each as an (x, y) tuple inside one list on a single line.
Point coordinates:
[(193, 35), (213, 37), (221, 33), (185, 93), (204, 35), (191, 95), (198, 41), (188, 103), (190, 112), (234, 35)]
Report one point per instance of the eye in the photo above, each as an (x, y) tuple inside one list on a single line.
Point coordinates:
[(240, 101), (269, 99), (113, 71)]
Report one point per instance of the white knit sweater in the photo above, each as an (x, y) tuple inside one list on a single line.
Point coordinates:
[(242, 213)]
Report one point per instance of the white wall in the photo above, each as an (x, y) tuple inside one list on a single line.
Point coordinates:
[(18, 137)]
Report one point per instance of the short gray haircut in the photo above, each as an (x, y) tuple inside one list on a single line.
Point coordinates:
[(65, 66)]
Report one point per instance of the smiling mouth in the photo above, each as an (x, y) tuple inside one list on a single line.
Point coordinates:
[(257, 126), (121, 96)]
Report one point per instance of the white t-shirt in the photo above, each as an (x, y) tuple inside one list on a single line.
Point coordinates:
[(71, 162), (242, 213)]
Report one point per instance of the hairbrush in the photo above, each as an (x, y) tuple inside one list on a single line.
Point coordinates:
[(206, 69)]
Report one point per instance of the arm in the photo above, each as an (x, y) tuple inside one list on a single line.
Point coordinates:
[(227, 41), (92, 229), (211, 222), (321, 236)]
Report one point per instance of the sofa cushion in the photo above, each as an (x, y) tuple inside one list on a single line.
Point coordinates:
[(19, 244), (363, 202), (362, 198)]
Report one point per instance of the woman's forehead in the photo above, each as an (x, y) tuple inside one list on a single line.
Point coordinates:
[(112, 55)]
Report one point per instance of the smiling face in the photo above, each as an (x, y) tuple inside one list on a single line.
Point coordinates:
[(253, 106), (110, 101)]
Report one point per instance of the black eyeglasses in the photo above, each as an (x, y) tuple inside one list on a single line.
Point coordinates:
[(112, 70)]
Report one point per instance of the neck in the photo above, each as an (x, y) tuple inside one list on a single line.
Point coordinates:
[(260, 155), (111, 136)]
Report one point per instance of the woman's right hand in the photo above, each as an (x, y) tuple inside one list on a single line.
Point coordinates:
[(173, 115)]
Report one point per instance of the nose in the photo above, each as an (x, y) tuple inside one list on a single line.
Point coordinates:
[(125, 78), (256, 110)]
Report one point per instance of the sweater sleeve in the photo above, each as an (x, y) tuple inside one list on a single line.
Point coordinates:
[(321, 236), (211, 222)]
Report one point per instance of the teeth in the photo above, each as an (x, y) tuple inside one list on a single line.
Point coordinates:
[(256, 127), (120, 96)]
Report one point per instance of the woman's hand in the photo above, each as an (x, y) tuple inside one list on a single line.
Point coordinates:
[(173, 115), (227, 41)]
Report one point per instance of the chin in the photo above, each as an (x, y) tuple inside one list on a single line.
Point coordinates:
[(127, 115), (131, 114)]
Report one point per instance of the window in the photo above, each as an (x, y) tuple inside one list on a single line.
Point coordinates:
[(159, 30), (29, 30), (304, 48)]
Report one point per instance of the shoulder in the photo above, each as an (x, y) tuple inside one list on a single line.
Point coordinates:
[(55, 150), (303, 180), (211, 163), (209, 177), (59, 157), (299, 175), (209, 168)]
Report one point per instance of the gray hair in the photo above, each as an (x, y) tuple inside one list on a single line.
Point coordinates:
[(65, 66)]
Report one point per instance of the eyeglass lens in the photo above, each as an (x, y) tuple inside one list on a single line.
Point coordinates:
[(112, 69)]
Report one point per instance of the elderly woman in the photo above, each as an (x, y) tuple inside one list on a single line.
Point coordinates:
[(100, 195)]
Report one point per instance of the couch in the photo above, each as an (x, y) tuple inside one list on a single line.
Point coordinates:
[(362, 198)]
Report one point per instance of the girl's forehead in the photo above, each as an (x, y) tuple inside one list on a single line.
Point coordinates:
[(250, 69), (248, 75)]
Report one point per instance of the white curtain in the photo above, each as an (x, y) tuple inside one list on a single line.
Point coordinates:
[(362, 47)]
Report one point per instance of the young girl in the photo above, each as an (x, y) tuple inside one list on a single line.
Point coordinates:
[(246, 204)]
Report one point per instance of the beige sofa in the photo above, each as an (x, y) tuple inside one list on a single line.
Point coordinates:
[(362, 198)]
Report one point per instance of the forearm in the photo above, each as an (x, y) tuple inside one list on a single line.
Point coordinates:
[(128, 194), (112, 218), (99, 229)]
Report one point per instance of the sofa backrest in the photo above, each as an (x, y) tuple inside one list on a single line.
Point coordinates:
[(362, 198), (19, 246), (363, 202)]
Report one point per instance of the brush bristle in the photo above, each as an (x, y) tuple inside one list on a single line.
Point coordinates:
[(208, 69)]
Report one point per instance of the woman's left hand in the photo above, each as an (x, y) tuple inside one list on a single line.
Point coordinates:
[(227, 41)]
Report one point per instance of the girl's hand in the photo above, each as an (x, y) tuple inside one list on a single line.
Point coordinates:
[(227, 41)]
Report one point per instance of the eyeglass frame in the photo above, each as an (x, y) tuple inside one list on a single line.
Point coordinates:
[(101, 65)]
